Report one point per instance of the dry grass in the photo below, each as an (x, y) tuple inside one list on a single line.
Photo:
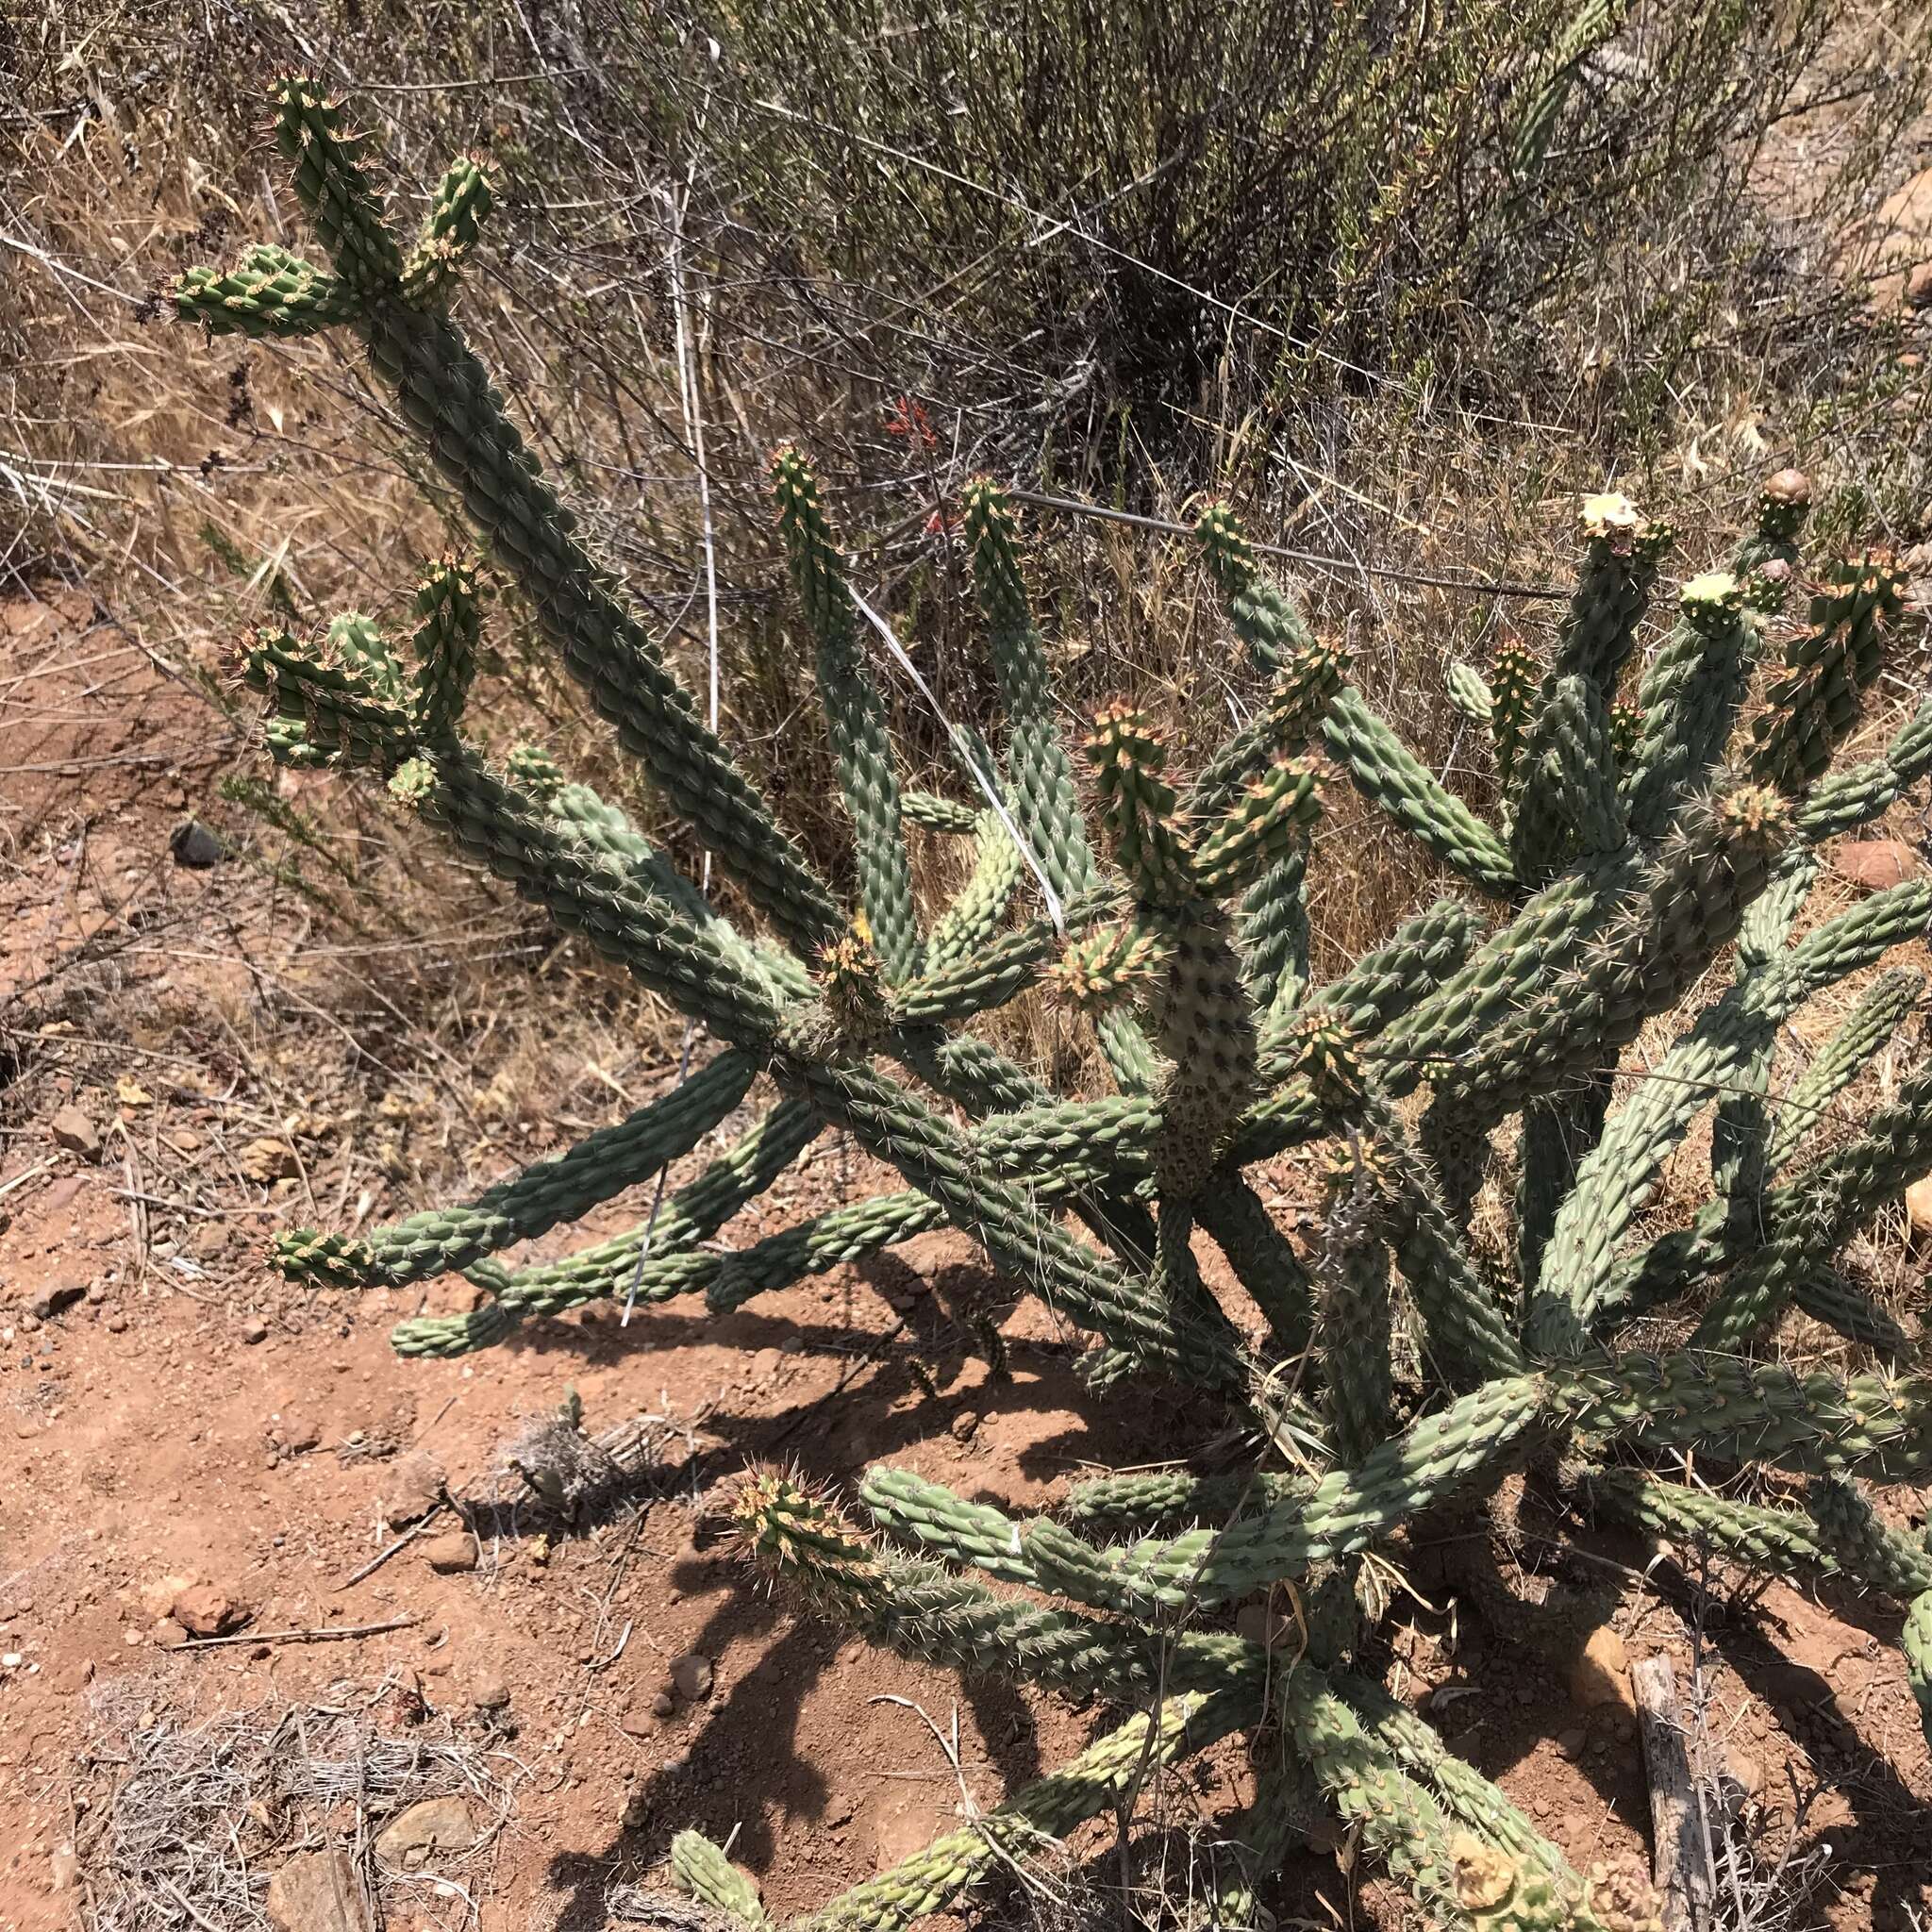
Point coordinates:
[(196, 489), (184, 1816)]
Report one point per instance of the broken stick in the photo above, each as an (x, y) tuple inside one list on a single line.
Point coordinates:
[(1678, 1866)]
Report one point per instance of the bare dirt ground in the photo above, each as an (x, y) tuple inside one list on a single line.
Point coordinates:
[(186, 1439)]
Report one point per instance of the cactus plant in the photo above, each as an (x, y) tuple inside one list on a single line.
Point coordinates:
[(1646, 825)]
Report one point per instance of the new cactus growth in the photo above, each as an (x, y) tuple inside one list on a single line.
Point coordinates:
[(1654, 816)]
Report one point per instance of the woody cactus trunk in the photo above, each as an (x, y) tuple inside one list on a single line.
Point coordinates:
[(1655, 819)]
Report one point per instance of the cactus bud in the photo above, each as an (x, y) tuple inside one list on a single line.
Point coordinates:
[(412, 782), (531, 769), (1128, 754), (854, 984), (1358, 1164), (791, 1531), (1757, 817), (1326, 1053), (1229, 554), (1112, 967), (1513, 689), (1306, 682)]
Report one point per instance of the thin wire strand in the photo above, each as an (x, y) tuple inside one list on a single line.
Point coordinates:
[(1484, 587), (1054, 910)]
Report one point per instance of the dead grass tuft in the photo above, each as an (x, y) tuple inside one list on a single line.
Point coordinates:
[(187, 1818)]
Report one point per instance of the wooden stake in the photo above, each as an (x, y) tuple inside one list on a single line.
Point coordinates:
[(1678, 1865)]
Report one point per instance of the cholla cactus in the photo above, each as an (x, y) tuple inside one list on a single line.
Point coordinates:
[(1626, 858)]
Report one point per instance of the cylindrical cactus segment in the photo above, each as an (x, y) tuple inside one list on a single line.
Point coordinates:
[(1513, 689), (339, 712), (1690, 698), (1816, 702), (1915, 1640), (1783, 1542), (702, 1869), (445, 643), (1879, 1557), (929, 1516), (443, 1240), (1262, 827), (667, 1255), (461, 207), (332, 183), (1882, 1009), (270, 293), (1128, 758), (854, 715), (1620, 555), (1088, 1785)]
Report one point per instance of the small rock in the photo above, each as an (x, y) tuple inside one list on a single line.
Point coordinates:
[(450, 1554), (63, 1868), (116, 1323), (1601, 1675), (254, 1330), (71, 1129), (965, 1425), (205, 1611), (1919, 287), (194, 846), (643, 1716), (72, 1681), (210, 1240), (52, 1300), (266, 1159), (412, 1838), (691, 1676), (415, 1488), (167, 1634), (1570, 1742), (1919, 1206), (316, 1891), (158, 1595), (1747, 1771), (487, 1691), (1876, 863), (297, 1432)]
